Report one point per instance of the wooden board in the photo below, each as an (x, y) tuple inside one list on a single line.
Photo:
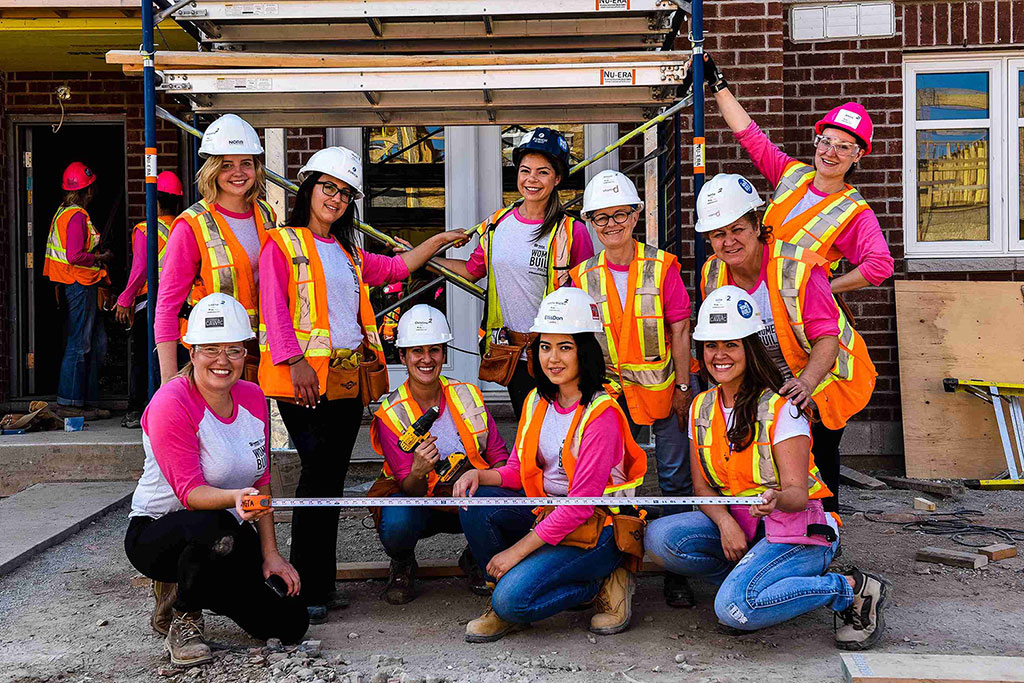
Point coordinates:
[(998, 551), (848, 475), (882, 668), (952, 558), (968, 330)]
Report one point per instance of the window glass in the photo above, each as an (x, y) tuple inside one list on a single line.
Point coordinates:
[(1020, 91), (952, 179), (1020, 179), (945, 96), (571, 187)]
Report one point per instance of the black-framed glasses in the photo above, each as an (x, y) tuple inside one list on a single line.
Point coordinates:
[(842, 147), (619, 217), (332, 190)]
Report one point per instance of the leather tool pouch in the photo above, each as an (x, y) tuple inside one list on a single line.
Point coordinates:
[(524, 340), (498, 363), (629, 538), (342, 382), (373, 378), (586, 535), (382, 488)]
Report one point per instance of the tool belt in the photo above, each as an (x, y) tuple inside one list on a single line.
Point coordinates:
[(628, 531), (343, 375), (498, 362), (373, 377)]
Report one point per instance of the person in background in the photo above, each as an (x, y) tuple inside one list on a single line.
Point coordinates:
[(75, 262), (131, 304), (206, 434)]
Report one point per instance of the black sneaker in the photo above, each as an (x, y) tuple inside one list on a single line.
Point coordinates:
[(477, 580), (678, 592), (400, 589), (864, 621)]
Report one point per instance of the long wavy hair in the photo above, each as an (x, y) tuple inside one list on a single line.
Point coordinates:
[(590, 360), (343, 229)]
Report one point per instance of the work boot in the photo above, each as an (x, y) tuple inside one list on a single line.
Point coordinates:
[(678, 592), (489, 627), (864, 619), (399, 589), (165, 594), (63, 411), (478, 583), (97, 414), (185, 641), (614, 603), (317, 614)]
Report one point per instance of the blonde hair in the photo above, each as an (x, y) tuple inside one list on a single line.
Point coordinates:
[(188, 372), (77, 197), (206, 179)]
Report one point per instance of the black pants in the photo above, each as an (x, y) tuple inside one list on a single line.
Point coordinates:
[(521, 385), (826, 457), (324, 437), (179, 548), (138, 380)]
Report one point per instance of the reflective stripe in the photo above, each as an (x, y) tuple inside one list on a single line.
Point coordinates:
[(55, 248)]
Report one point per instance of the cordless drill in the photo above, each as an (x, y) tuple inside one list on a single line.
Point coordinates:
[(418, 431)]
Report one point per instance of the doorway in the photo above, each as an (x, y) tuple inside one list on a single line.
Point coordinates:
[(40, 330)]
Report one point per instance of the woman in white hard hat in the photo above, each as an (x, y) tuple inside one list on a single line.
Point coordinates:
[(526, 251), (463, 436), (814, 205), (573, 440), (206, 435), (768, 559), (821, 357), (645, 311), (214, 245), (320, 351)]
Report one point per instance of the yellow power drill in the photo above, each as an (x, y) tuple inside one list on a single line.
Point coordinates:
[(418, 431)]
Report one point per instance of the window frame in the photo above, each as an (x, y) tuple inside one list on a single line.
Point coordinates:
[(1015, 131)]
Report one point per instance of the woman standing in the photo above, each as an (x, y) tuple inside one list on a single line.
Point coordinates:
[(770, 561), (317, 330), (206, 436), (215, 244), (527, 249), (75, 262), (573, 440)]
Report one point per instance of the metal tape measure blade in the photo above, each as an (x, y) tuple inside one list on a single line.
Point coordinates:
[(511, 501)]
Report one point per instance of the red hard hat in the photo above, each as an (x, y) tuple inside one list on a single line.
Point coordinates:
[(168, 182), (852, 118), (77, 176)]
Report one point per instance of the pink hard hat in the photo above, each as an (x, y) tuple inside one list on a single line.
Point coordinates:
[(77, 176), (852, 118), (168, 182)]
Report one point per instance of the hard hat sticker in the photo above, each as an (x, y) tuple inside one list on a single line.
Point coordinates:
[(214, 322), (719, 318), (848, 118), (744, 308), (746, 186)]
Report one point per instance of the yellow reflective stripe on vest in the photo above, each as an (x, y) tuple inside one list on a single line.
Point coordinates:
[(793, 178), (56, 251), (577, 439), (715, 275), (703, 414), (219, 253), (822, 227), (763, 466), (468, 405), (594, 282)]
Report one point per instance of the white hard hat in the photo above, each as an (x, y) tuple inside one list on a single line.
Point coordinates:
[(230, 134), (723, 200), (218, 319), (340, 162), (728, 313), (609, 188), (422, 325), (567, 311)]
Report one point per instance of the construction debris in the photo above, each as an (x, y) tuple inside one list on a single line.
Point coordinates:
[(924, 504), (998, 551), (850, 476), (951, 490), (953, 558), (868, 667)]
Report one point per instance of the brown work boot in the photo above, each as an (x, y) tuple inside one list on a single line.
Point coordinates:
[(614, 603), (400, 587), (185, 641), (864, 620), (165, 594), (489, 627)]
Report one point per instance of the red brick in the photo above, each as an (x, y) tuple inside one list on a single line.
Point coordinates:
[(957, 26), (988, 23), (942, 23), (1018, 21), (973, 31), (927, 25), (910, 32)]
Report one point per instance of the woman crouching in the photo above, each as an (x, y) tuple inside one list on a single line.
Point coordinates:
[(770, 560), (573, 440)]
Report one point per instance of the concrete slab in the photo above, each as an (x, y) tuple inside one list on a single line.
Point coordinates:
[(45, 514)]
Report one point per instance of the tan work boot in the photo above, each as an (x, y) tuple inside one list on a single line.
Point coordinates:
[(864, 619), (165, 594), (614, 603), (489, 627), (185, 641)]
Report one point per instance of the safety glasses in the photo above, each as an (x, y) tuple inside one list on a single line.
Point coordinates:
[(213, 351), (841, 147), (619, 217)]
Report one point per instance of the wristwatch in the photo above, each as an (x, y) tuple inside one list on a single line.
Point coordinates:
[(683, 387)]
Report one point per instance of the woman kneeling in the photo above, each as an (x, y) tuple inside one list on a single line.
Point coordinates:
[(573, 440), (770, 560)]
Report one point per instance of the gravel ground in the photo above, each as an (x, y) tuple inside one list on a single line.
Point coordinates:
[(73, 614)]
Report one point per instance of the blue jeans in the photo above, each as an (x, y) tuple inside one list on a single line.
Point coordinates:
[(79, 382), (551, 579), (402, 527), (773, 583)]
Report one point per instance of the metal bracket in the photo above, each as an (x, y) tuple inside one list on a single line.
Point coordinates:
[(160, 16), (673, 73)]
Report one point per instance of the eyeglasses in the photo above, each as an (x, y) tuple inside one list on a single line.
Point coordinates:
[(213, 351), (842, 148), (331, 190), (619, 217)]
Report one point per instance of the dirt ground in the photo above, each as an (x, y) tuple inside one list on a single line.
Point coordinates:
[(72, 614)]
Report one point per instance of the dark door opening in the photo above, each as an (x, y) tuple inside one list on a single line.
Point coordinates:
[(41, 324)]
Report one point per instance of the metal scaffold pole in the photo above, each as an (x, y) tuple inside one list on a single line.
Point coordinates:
[(697, 41), (152, 229)]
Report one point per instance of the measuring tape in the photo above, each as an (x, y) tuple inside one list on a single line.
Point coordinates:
[(256, 503)]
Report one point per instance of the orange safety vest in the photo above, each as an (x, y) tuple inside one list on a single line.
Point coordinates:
[(634, 459), (817, 228), (225, 267), (399, 411), (55, 265), (636, 345), (749, 472), (847, 388), (559, 249), (163, 224), (307, 302)]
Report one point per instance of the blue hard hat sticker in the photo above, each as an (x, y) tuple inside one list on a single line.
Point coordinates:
[(744, 308), (563, 144), (746, 186)]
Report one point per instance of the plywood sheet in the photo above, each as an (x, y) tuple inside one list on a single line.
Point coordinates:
[(884, 668), (968, 330)]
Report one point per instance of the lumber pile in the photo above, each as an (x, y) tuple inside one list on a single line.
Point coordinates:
[(869, 667)]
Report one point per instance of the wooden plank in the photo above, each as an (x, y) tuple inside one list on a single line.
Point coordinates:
[(953, 558), (869, 667), (850, 476), (998, 551), (955, 329), (924, 504), (935, 488)]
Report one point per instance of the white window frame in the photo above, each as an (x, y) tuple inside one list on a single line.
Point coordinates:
[(1000, 242), (1013, 166)]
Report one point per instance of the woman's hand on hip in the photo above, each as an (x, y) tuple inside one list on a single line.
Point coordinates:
[(274, 564), (734, 541), (305, 383)]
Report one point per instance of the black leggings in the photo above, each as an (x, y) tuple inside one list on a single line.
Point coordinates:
[(521, 385), (324, 437), (188, 547), (826, 457)]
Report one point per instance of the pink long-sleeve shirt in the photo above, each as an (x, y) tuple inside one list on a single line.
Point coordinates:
[(601, 449), (274, 269), (862, 242), (137, 275), (75, 248)]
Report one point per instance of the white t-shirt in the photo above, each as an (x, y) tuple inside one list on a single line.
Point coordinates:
[(621, 279), (519, 265), (553, 431), (446, 433), (767, 335), (342, 294), (249, 237), (788, 426)]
